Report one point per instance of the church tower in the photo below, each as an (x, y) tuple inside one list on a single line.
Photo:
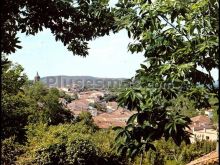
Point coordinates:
[(37, 78)]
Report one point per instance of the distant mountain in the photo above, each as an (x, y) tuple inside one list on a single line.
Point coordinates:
[(83, 81), (87, 81)]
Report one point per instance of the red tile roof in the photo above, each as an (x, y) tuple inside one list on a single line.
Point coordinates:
[(201, 122), (78, 104), (104, 120), (201, 119), (116, 118)]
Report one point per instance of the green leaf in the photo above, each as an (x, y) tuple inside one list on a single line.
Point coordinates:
[(132, 118)]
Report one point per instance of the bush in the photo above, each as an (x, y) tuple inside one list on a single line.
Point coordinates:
[(196, 150), (68, 97), (44, 106), (85, 120), (110, 97), (100, 106), (81, 152), (76, 152), (70, 144), (10, 151), (169, 153), (52, 154)]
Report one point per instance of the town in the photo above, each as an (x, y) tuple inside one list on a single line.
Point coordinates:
[(102, 105), (110, 82)]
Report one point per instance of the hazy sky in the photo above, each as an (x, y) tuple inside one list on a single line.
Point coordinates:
[(108, 57)]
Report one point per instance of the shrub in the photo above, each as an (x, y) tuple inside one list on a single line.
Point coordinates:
[(10, 150), (70, 144), (169, 153), (81, 152), (52, 154)]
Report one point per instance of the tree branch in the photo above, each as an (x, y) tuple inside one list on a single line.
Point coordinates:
[(165, 19)]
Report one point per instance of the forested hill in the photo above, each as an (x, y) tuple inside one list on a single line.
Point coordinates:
[(62, 80)]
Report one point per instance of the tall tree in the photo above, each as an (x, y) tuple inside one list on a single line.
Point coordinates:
[(13, 102), (44, 106), (73, 22), (177, 38), (23, 103)]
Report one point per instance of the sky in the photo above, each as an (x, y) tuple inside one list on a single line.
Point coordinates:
[(108, 57)]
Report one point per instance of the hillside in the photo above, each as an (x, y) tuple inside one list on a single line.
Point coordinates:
[(88, 81)]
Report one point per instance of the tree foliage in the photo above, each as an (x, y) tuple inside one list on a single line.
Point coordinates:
[(13, 103), (24, 103), (10, 150), (73, 22), (176, 37), (183, 154), (74, 143), (85, 118), (44, 105)]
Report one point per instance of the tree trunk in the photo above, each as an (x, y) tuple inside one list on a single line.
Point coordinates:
[(217, 142), (142, 157)]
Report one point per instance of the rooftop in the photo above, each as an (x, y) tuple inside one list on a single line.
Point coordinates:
[(116, 118), (201, 119)]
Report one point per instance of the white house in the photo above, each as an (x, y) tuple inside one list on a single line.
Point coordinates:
[(202, 128)]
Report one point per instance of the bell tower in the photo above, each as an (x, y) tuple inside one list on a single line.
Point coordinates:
[(37, 78)]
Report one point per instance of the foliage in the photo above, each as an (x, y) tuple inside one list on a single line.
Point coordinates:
[(45, 142), (36, 91), (215, 117), (55, 144), (176, 39), (59, 145), (67, 97), (76, 152), (85, 119), (45, 107), (10, 150), (110, 97), (185, 106), (81, 152), (99, 106), (73, 23), (215, 106), (24, 103), (103, 139), (52, 154), (13, 102), (152, 122), (167, 152)]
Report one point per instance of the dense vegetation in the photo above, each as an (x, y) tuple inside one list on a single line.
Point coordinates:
[(73, 23), (176, 39), (39, 130), (23, 104)]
